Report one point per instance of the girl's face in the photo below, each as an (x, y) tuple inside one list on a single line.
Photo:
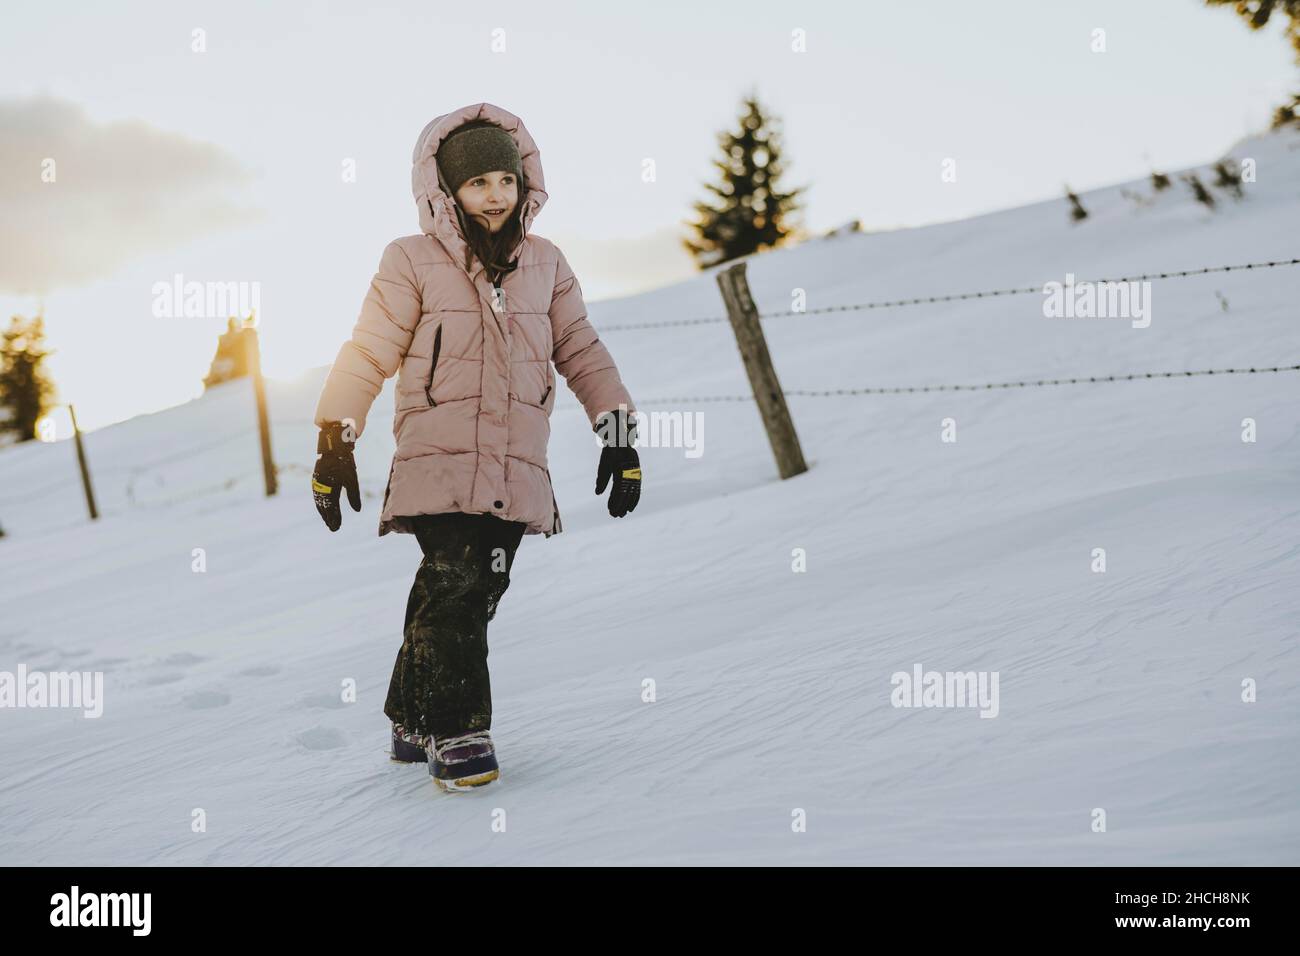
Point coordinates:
[(491, 198)]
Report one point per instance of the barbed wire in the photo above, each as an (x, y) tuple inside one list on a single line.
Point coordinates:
[(953, 297), (138, 471), (1027, 383)]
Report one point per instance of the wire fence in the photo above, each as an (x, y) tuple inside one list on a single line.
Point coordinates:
[(952, 297), (956, 297), (290, 467), (137, 471), (1028, 383)]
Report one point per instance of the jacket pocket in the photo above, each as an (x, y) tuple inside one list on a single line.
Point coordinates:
[(433, 366), (528, 392), (388, 487), (556, 525), (550, 382)]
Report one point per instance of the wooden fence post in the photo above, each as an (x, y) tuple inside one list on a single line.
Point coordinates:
[(81, 463), (254, 356), (762, 376)]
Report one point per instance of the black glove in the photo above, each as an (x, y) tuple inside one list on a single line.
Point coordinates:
[(619, 460), (335, 470)]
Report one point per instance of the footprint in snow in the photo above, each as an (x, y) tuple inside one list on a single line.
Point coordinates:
[(321, 738), (206, 699), (183, 659), (164, 679), (261, 670), (105, 662)]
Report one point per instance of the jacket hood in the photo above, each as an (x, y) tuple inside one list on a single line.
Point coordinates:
[(437, 208)]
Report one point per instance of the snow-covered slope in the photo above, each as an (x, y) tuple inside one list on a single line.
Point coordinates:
[(1120, 691)]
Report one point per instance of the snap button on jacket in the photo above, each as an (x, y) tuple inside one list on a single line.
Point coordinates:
[(475, 368)]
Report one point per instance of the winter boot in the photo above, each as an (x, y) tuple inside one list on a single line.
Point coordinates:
[(408, 747), (462, 762)]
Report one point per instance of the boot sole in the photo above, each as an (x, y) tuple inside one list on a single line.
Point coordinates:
[(457, 784)]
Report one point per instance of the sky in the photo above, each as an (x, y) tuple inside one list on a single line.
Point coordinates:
[(222, 160)]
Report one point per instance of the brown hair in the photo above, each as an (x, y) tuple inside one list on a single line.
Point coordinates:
[(491, 248)]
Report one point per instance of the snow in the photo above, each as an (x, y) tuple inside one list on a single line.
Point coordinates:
[(1119, 690)]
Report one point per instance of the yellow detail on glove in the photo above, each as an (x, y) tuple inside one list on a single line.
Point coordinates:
[(317, 486), (632, 473)]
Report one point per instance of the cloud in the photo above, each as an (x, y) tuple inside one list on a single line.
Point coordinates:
[(119, 190)]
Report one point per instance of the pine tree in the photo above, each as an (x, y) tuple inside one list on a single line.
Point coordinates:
[(1287, 113), (751, 209), (1256, 13), (1198, 190), (1228, 177), (231, 359), (1077, 212), (25, 389)]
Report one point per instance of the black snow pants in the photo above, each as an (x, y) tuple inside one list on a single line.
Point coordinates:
[(440, 681)]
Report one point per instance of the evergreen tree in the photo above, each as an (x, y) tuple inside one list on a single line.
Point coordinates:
[(1287, 113), (750, 209), (1198, 190), (1228, 177), (1256, 13), (231, 358), (1077, 212), (26, 391)]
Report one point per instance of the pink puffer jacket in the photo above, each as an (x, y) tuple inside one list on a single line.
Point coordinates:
[(475, 384)]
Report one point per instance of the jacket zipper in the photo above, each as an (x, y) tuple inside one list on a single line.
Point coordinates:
[(545, 394), (437, 347)]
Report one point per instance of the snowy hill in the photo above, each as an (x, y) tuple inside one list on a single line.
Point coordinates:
[(1119, 690)]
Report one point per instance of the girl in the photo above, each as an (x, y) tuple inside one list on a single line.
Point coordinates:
[(470, 315)]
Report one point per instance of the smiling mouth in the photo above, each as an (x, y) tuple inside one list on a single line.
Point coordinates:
[(495, 212)]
